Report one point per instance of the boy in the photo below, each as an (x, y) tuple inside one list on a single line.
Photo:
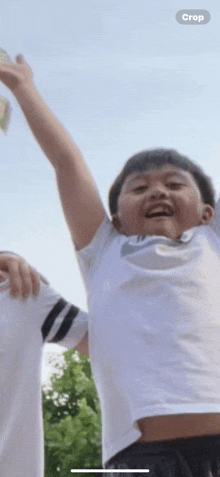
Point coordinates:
[(152, 277), (25, 326)]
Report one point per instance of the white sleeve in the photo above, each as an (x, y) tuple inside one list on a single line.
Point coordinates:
[(215, 223), (60, 321), (88, 256)]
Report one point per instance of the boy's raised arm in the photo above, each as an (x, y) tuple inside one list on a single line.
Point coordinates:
[(81, 203)]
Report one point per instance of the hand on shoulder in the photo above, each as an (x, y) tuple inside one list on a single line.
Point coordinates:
[(24, 280)]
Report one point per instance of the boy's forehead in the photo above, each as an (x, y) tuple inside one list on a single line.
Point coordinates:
[(154, 171)]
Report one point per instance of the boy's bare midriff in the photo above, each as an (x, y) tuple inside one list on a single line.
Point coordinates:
[(160, 428)]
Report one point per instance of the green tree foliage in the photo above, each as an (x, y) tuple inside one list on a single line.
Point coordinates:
[(72, 424)]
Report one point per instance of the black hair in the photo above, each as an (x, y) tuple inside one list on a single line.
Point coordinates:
[(157, 158)]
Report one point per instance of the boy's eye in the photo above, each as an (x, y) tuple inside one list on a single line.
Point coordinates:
[(174, 185), (140, 188)]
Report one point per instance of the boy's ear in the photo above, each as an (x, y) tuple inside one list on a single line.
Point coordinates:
[(207, 214), (116, 222)]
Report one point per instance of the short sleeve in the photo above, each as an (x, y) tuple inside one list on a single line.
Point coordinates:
[(57, 320), (88, 256), (215, 223), (61, 322)]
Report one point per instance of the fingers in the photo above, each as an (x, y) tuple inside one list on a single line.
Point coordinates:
[(24, 281), (10, 75), (14, 278), (19, 59), (35, 281), (41, 277), (30, 280), (14, 74)]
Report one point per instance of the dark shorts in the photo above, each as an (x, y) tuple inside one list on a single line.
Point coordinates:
[(194, 457)]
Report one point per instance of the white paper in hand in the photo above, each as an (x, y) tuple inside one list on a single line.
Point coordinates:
[(4, 57), (5, 108), (5, 114)]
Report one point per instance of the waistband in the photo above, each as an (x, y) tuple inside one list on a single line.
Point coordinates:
[(191, 445)]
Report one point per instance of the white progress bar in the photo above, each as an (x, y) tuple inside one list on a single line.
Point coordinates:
[(103, 471)]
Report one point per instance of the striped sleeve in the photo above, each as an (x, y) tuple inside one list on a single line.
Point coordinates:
[(63, 323)]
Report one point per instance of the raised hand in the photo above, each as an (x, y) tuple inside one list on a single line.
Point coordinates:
[(15, 74), (23, 279), (84, 212)]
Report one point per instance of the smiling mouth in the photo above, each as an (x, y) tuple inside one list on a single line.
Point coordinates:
[(158, 214), (159, 211)]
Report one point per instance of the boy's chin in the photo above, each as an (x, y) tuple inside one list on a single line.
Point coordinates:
[(170, 234), (166, 230)]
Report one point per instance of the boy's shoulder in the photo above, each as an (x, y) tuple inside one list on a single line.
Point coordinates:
[(215, 221), (105, 241)]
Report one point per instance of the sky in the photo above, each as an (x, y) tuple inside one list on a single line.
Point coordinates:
[(121, 76)]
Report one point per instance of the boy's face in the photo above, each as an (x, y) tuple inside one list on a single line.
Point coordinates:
[(160, 201)]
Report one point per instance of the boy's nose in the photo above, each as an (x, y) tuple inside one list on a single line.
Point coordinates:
[(158, 193)]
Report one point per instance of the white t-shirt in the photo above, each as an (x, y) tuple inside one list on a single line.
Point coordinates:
[(154, 326), (24, 327)]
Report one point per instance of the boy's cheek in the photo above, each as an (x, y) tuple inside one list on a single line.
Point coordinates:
[(3, 276)]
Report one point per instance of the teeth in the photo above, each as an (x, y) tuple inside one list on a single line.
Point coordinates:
[(160, 209)]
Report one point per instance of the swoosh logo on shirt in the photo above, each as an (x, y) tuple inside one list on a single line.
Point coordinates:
[(129, 248)]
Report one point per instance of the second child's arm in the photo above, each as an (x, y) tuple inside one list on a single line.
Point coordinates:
[(81, 203)]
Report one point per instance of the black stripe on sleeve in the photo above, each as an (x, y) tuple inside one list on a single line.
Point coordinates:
[(66, 324), (51, 317)]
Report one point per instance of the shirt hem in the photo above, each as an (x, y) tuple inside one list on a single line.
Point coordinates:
[(119, 445), (170, 409), (174, 409)]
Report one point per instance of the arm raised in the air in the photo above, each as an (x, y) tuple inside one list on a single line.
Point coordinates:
[(80, 199)]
